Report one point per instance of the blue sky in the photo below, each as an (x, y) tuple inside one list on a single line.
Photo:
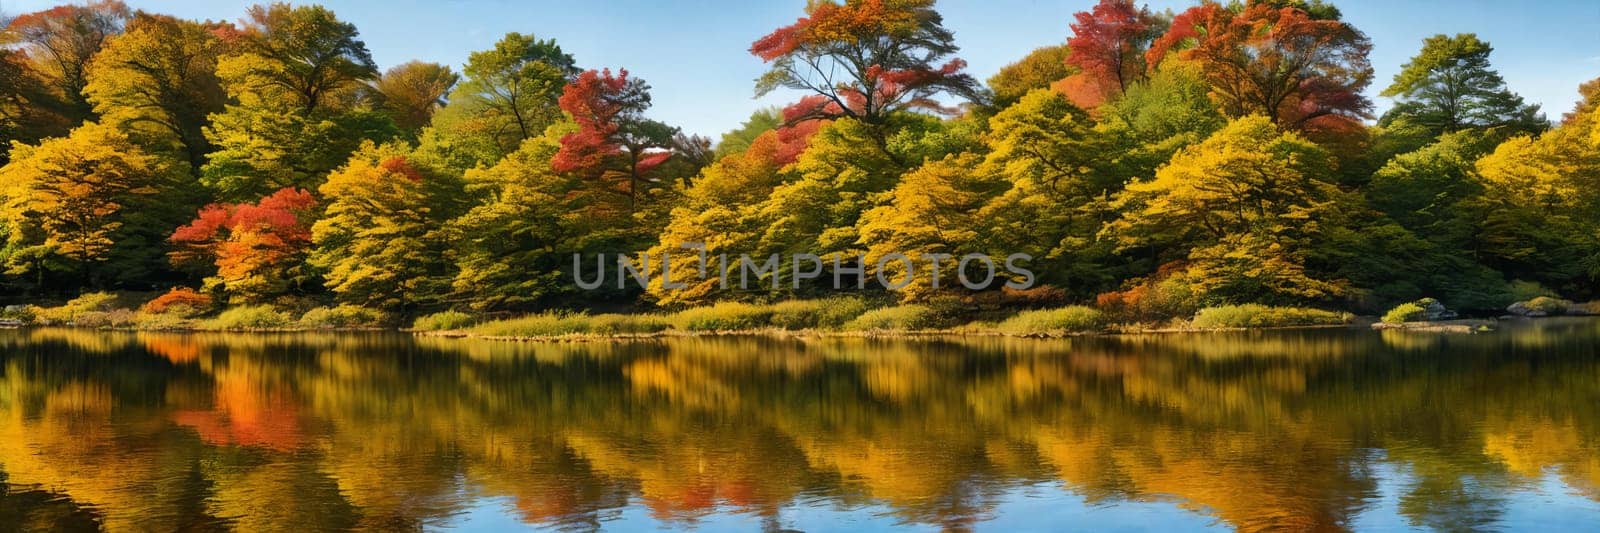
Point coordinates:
[(693, 52)]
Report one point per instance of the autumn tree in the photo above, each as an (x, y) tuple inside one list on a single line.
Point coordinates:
[(379, 242), (615, 148), (1540, 204), (89, 198), (28, 106), (1038, 70), (866, 59), (257, 250), (1300, 70), (1049, 156), (935, 210), (1588, 101), (1108, 45), (158, 82), (60, 42), (411, 92), (721, 212), (1449, 86), (1244, 211), (510, 93), (513, 245), (304, 57)]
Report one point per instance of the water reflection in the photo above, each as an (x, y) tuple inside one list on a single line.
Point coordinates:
[(1297, 430)]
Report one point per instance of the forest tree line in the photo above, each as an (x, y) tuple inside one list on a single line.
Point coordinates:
[(1153, 163)]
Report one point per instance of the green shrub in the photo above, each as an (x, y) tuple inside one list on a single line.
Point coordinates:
[(1262, 316), (826, 313), (69, 313), (1074, 318), (168, 321), (725, 316), (443, 321), (1406, 312), (22, 313), (549, 324), (1548, 305), (249, 317), (901, 317), (343, 316), (614, 324), (1522, 291)]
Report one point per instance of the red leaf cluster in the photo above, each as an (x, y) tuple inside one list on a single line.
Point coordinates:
[(1108, 40), (240, 239), (596, 100), (1277, 61), (178, 296)]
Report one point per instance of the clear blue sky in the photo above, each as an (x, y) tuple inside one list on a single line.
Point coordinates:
[(693, 52)]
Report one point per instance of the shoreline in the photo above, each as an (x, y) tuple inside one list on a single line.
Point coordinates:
[(1361, 323)]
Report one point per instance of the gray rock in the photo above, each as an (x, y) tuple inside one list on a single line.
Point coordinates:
[(1522, 309), (1435, 311)]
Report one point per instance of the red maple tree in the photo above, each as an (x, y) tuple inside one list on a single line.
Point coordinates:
[(615, 146)]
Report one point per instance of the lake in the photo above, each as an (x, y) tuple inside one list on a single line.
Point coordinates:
[(1311, 429)]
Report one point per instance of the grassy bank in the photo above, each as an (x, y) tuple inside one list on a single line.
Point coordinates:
[(842, 315), (848, 316)]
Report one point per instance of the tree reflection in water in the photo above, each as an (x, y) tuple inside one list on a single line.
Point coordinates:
[(1297, 430)]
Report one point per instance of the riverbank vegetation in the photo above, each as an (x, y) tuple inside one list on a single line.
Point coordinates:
[(841, 315), (267, 174)]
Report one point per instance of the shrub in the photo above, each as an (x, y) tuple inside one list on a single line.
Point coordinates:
[(901, 317), (115, 318), (1406, 312), (725, 316), (343, 316), (443, 321), (826, 313), (1260, 316), (1167, 297), (550, 324), (182, 301), (22, 313), (612, 324), (1075, 318), (1521, 291), (162, 322), (249, 317), (1548, 305), (69, 312)]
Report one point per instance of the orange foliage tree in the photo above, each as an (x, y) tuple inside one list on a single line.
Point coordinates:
[(865, 59), (615, 147), (1108, 44), (257, 249), (1303, 71)]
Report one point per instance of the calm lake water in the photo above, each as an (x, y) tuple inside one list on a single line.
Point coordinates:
[(1326, 429)]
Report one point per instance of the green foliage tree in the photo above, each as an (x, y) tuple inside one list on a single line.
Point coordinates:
[(1449, 86), (296, 73), (509, 95), (515, 243)]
